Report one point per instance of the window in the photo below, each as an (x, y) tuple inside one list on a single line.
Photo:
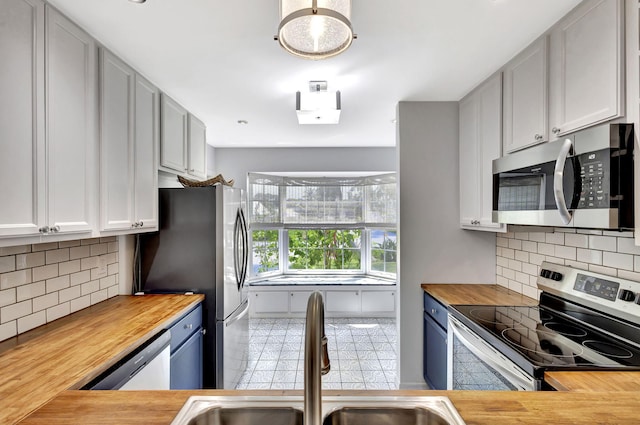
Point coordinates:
[(336, 225), (383, 251), (266, 251), (325, 249)]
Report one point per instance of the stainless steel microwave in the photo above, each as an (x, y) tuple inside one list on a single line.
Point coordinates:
[(583, 180)]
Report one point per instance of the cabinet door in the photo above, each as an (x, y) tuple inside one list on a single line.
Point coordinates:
[(147, 129), (197, 148), (116, 143), (490, 148), (173, 138), (343, 302), (22, 117), (186, 364), (587, 66), (434, 354), (525, 98), (70, 124), (469, 184), (298, 301), (378, 301), (270, 302)]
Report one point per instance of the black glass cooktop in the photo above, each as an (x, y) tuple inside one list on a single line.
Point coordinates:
[(538, 338)]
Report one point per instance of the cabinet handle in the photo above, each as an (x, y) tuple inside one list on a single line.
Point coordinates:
[(55, 229), (433, 311), (44, 229), (192, 170), (538, 137), (189, 326), (555, 130), (141, 224)]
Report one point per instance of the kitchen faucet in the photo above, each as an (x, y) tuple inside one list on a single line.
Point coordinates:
[(316, 360)]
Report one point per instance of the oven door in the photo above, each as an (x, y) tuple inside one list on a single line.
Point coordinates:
[(473, 364)]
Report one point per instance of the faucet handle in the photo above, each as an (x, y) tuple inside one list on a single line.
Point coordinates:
[(326, 363)]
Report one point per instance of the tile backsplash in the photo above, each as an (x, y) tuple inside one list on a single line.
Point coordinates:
[(43, 282), (522, 249)]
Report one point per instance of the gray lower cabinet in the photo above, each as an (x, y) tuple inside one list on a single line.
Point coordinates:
[(186, 351), (434, 362)]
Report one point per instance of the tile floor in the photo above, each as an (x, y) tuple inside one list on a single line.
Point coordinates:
[(362, 353)]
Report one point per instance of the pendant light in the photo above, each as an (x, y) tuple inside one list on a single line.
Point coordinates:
[(315, 29)]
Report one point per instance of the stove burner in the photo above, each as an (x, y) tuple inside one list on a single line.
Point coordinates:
[(565, 329), (506, 316), (544, 346), (608, 349)]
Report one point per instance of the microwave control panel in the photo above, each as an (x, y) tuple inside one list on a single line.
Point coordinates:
[(594, 173)]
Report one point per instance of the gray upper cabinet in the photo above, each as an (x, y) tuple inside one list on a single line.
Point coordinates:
[(117, 84), (173, 142), (22, 117), (128, 145), (587, 66), (70, 124), (480, 142), (525, 98), (197, 148)]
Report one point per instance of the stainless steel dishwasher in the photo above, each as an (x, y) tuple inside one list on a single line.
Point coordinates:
[(147, 368)]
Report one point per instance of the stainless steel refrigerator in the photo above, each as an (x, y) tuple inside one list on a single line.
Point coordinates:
[(202, 247)]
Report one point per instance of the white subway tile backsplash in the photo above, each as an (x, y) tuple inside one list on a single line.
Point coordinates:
[(618, 261), (31, 290), (44, 282), (8, 330), (607, 252), (13, 250), (566, 252), (45, 272), (7, 264), (8, 296), (79, 252), (58, 311), (27, 261), (604, 243), (58, 283), (576, 240), (57, 255), (13, 279), (32, 321), (589, 256), (628, 246), (14, 311), (45, 301), (546, 249), (554, 238)]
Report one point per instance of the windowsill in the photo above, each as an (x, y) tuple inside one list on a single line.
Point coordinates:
[(327, 280)]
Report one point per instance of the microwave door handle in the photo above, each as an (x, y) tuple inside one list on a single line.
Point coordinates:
[(558, 188)]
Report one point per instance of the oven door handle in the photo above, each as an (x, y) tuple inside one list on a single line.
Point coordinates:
[(491, 356), (558, 187)]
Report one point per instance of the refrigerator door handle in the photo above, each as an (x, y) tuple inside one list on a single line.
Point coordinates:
[(245, 247), (243, 310), (236, 258)]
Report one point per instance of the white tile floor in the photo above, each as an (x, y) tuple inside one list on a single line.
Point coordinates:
[(362, 353)]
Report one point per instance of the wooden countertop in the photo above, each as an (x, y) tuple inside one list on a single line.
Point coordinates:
[(594, 381), (480, 294), (68, 353), (475, 407)]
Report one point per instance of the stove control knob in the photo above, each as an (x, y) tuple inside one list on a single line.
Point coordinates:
[(545, 273), (556, 276), (627, 295)]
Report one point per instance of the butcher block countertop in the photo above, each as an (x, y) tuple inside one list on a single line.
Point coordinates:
[(37, 366), (475, 407), (594, 381), (480, 294)]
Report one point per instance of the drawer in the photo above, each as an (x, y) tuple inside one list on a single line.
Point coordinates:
[(185, 326), (436, 310)]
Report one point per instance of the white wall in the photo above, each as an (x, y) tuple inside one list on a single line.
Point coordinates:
[(433, 248), (235, 163)]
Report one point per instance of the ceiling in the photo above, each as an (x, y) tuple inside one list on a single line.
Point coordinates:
[(218, 58)]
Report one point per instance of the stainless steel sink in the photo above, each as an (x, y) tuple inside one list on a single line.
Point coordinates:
[(336, 410)]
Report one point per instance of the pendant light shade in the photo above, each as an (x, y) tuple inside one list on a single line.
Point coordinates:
[(315, 29)]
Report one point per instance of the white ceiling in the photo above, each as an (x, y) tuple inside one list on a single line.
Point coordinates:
[(218, 58)]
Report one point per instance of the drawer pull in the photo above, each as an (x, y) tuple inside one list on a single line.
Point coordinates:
[(189, 326), (433, 311)]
